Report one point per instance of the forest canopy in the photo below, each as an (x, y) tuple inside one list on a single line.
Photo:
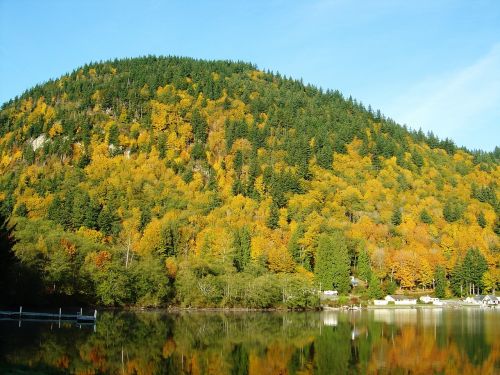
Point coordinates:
[(159, 180)]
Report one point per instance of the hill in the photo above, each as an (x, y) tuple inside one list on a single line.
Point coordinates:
[(210, 183)]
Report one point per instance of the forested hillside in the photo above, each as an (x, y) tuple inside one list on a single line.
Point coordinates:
[(158, 180)]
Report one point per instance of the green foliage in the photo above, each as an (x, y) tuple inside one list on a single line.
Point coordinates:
[(390, 287), (241, 244), (364, 266), (207, 283), (481, 220), (294, 247), (154, 157), (21, 210), (440, 279), (149, 282), (467, 275), (375, 288), (113, 135), (113, 286), (453, 210), (323, 269), (396, 217), (332, 263), (425, 217), (273, 218)]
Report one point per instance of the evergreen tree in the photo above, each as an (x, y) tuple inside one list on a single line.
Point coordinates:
[(496, 227), (341, 263), (332, 263), (113, 135), (474, 266), (425, 217), (396, 218), (108, 221), (241, 245), (440, 277), (481, 220), (21, 210), (467, 275), (364, 267), (374, 288), (238, 162), (80, 209), (274, 216), (457, 279), (453, 210), (293, 245), (324, 267), (200, 127)]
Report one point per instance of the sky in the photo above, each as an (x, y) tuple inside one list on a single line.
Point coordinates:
[(430, 64)]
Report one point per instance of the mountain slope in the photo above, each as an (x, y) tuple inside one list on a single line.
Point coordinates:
[(212, 183)]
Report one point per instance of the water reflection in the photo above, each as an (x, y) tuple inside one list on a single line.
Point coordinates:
[(376, 342)]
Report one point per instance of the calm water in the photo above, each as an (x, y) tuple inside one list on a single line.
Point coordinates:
[(373, 342)]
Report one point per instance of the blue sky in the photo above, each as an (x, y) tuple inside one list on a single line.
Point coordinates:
[(429, 64)]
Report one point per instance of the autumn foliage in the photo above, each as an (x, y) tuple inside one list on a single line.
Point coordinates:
[(150, 165)]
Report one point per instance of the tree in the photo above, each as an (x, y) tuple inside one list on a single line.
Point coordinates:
[(324, 269), (294, 248), (453, 210), (21, 210), (440, 277), (332, 263), (241, 244), (108, 221), (467, 275), (481, 220), (396, 218), (425, 217), (374, 288), (274, 216), (364, 266), (150, 282), (113, 134)]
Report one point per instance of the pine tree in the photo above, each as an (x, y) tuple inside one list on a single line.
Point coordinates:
[(341, 263), (453, 210), (364, 267), (21, 210), (241, 245), (425, 217), (113, 135), (274, 216), (324, 268), (200, 127), (481, 220), (396, 218), (294, 246), (467, 275), (457, 279), (440, 277), (374, 288)]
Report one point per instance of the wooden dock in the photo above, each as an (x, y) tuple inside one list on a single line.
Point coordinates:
[(21, 315)]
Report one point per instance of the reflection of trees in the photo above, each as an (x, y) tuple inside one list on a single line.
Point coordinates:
[(253, 343), (333, 350), (470, 336), (422, 349)]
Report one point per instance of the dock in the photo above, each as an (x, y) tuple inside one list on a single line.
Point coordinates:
[(22, 315)]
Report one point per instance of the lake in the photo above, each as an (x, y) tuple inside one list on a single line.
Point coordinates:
[(412, 341)]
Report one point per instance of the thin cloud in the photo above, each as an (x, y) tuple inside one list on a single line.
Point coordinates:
[(451, 104)]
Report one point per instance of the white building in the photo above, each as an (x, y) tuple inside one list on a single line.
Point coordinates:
[(480, 300), (330, 293), (401, 300), (428, 299)]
